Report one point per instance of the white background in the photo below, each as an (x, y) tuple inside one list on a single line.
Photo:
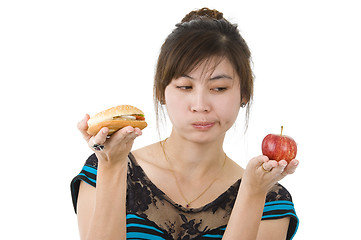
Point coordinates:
[(62, 59)]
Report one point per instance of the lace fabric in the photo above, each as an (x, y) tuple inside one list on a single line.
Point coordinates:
[(150, 212)]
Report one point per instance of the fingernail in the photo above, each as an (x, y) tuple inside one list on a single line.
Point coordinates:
[(296, 163)]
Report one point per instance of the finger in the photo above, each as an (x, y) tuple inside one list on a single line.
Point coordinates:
[(262, 162), (138, 132), (123, 136), (129, 131), (258, 161), (83, 127), (279, 171), (277, 168), (100, 138), (119, 135), (291, 167), (268, 166), (131, 134)]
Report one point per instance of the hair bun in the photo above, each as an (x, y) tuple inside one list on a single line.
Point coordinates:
[(203, 13)]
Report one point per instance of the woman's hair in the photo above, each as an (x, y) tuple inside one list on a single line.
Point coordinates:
[(201, 35)]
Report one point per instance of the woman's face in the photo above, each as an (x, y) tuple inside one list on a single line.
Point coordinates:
[(204, 103)]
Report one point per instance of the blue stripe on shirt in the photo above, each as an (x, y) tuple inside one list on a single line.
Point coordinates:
[(82, 174), (145, 236), (278, 207), (130, 216), (213, 236), (90, 170), (143, 226), (278, 202), (140, 225)]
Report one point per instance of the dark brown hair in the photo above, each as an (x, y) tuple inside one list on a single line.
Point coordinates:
[(201, 35)]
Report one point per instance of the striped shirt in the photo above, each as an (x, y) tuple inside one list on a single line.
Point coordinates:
[(152, 215)]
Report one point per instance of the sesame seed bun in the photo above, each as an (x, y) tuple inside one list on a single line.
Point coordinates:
[(115, 118)]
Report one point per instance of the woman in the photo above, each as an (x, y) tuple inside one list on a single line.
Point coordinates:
[(185, 187)]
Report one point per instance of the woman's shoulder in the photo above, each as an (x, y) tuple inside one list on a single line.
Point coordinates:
[(232, 171), (148, 155), (278, 193), (92, 161)]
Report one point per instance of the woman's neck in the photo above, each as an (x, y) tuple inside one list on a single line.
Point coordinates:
[(192, 160)]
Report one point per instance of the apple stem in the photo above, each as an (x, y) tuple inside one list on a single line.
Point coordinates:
[(281, 130)]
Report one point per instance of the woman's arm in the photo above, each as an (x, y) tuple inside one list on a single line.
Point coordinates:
[(245, 221), (246, 216), (102, 211), (85, 208), (274, 229)]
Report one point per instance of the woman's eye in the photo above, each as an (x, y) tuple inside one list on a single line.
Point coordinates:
[(184, 87), (220, 89)]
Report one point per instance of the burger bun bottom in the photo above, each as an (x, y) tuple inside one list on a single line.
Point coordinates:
[(115, 125)]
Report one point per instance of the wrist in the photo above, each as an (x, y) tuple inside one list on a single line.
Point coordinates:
[(112, 171), (247, 212), (253, 191), (109, 163)]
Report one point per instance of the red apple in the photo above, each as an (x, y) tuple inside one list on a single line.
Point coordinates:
[(279, 147)]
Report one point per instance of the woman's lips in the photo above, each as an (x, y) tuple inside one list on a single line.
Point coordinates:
[(203, 125)]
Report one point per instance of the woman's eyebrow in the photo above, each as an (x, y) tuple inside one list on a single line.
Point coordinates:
[(212, 78), (187, 76), (221, 76)]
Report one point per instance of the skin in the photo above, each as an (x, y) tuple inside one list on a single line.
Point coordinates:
[(202, 105), (101, 210), (201, 97)]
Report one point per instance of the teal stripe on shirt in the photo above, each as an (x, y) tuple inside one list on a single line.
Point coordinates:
[(278, 207), (90, 169), (130, 216), (279, 215), (143, 226), (133, 216), (82, 174), (278, 202), (145, 236), (213, 236)]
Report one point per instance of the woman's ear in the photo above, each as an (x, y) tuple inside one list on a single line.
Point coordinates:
[(243, 102), (162, 101)]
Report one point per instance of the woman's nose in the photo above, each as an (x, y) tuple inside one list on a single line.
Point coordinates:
[(200, 102)]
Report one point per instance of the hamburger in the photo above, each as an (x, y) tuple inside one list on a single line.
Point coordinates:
[(116, 118)]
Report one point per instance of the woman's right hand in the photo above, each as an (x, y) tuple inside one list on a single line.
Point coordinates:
[(262, 173), (116, 148)]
